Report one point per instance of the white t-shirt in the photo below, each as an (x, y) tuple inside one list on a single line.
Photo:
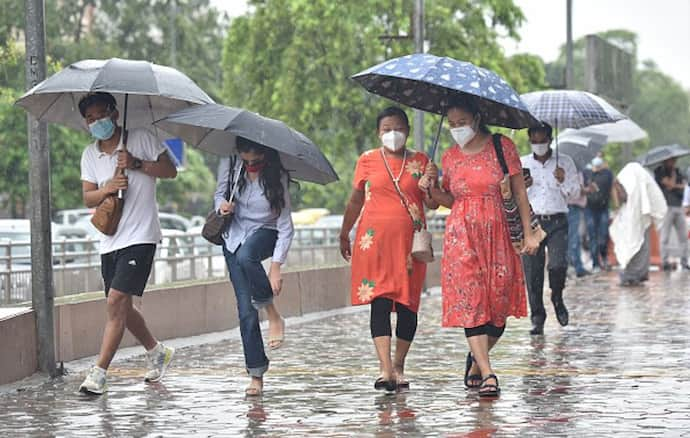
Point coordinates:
[(139, 223)]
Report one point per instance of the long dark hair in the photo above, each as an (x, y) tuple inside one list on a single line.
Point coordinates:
[(271, 177)]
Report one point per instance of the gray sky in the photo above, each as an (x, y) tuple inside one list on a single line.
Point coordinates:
[(663, 28)]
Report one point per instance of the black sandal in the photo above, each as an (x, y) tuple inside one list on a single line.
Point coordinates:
[(388, 385), (475, 377), (493, 391)]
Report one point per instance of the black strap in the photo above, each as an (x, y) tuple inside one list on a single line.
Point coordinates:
[(498, 147), (231, 174)]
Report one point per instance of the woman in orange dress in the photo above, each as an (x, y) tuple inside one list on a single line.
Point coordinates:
[(482, 279), (384, 274)]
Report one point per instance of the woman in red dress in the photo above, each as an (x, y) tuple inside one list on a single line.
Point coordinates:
[(482, 278), (384, 274)]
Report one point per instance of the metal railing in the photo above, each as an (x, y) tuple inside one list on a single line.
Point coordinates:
[(179, 257)]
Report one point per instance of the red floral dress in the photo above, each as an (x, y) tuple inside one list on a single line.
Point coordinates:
[(383, 243), (482, 278)]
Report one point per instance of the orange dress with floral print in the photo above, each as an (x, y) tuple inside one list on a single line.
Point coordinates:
[(381, 261), (482, 278)]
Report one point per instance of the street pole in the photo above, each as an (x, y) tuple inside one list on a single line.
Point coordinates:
[(569, 46), (39, 185), (173, 33), (419, 48)]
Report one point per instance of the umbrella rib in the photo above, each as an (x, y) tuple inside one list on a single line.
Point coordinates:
[(50, 106)]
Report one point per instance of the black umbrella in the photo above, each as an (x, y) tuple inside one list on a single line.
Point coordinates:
[(660, 154), (214, 128)]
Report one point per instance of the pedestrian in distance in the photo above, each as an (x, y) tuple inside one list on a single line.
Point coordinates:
[(641, 208), (671, 182), (599, 186), (260, 227), (127, 256), (390, 207), (482, 278)]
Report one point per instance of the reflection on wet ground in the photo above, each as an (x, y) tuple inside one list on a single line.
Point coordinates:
[(621, 368)]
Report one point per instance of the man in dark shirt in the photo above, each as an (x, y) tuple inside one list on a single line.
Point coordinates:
[(599, 182), (669, 178)]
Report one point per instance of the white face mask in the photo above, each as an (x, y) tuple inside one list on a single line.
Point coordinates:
[(540, 149), (393, 140), (462, 135)]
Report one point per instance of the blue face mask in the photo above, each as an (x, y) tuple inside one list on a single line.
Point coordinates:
[(102, 129)]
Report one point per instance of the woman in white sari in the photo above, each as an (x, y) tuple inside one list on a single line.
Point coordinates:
[(629, 230)]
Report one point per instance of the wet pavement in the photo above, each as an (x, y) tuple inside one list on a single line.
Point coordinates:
[(622, 368)]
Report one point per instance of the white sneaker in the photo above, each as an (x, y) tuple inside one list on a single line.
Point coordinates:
[(95, 382), (158, 361)]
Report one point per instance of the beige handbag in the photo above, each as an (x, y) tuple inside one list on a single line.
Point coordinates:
[(108, 213), (422, 250)]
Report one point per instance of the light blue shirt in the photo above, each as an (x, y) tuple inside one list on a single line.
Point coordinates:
[(253, 211)]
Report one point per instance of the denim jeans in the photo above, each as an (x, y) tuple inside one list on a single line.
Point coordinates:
[(253, 291), (598, 230), (574, 246)]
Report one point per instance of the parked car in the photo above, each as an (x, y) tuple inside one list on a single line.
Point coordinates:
[(172, 221), (70, 216), (169, 221), (308, 216)]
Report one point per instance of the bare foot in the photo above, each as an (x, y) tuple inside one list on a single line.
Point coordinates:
[(399, 373), (276, 334), (255, 388)]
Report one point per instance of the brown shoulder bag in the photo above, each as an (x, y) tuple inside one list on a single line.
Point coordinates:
[(107, 216)]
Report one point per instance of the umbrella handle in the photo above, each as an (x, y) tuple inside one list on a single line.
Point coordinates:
[(438, 134), (121, 193)]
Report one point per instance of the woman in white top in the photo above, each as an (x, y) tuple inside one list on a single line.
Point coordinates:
[(261, 227)]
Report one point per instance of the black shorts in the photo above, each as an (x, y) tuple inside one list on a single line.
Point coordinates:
[(127, 270)]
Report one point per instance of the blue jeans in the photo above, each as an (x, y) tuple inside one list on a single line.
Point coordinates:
[(253, 291), (598, 230), (574, 246)]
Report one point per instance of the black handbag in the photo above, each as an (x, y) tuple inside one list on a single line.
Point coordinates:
[(510, 207), (215, 223)]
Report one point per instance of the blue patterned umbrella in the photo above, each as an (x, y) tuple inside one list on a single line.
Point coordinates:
[(570, 108), (429, 82)]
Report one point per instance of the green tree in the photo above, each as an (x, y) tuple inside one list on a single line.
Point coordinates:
[(291, 60)]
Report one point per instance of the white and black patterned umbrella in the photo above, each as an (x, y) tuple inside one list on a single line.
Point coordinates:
[(570, 108), (153, 91), (214, 128)]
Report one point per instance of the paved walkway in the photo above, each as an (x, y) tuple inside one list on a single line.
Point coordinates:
[(622, 368)]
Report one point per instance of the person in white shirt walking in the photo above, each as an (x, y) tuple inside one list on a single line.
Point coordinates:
[(552, 182), (126, 256)]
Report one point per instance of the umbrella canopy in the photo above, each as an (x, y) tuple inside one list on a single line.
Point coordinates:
[(570, 108), (581, 148), (429, 82), (660, 154), (214, 128), (153, 92), (622, 131)]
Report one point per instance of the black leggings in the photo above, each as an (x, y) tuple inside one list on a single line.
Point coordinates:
[(380, 322), (486, 329)]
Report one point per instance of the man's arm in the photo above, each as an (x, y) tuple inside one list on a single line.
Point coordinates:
[(163, 167)]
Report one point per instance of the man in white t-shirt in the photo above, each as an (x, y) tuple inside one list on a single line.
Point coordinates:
[(126, 256)]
